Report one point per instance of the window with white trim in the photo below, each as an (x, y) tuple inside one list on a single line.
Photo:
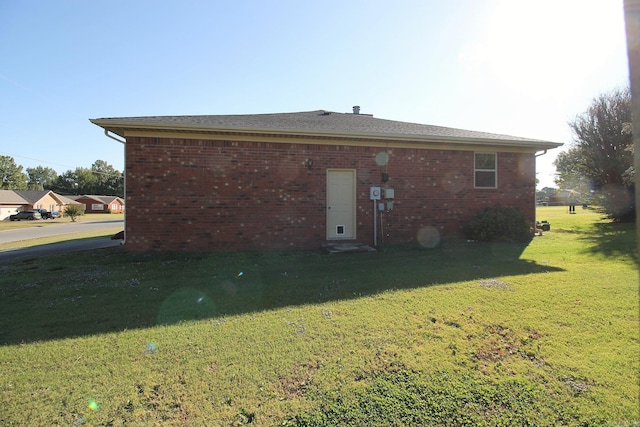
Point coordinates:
[(97, 207), (485, 170)]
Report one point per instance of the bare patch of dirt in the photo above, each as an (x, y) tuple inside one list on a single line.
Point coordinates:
[(298, 379), (493, 283), (502, 343)]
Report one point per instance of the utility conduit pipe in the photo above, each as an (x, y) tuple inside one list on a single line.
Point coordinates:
[(375, 223)]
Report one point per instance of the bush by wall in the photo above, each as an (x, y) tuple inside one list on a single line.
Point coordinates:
[(499, 224)]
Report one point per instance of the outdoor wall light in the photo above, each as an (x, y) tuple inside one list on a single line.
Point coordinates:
[(309, 163)]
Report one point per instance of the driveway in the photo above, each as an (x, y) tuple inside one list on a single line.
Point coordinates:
[(8, 236)]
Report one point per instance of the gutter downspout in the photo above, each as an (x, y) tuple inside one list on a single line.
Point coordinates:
[(124, 184), (106, 132)]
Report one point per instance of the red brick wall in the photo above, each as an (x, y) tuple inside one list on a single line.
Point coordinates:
[(224, 195), (88, 205), (118, 208)]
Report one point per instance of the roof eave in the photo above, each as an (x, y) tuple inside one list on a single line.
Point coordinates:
[(120, 128)]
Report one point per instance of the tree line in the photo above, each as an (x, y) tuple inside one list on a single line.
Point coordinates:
[(101, 178), (599, 162)]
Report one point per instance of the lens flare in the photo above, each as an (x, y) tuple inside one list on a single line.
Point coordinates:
[(288, 168), (93, 405), (428, 237), (151, 347), (184, 305), (382, 158), (230, 288), (454, 182)]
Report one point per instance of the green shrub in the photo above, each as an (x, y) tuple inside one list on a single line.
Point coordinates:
[(499, 224), (73, 211), (618, 203)]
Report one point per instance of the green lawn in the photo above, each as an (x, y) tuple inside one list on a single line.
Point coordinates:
[(464, 334)]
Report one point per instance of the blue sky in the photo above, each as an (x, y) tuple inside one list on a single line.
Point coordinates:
[(515, 67)]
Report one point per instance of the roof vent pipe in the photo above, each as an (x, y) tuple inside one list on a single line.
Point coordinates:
[(356, 109)]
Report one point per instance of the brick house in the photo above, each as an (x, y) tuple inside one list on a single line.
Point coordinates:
[(301, 180), (100, 204), (12, 201)]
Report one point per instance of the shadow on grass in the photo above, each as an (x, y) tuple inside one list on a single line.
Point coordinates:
[(107, 290), (612, 239), (63, 246)]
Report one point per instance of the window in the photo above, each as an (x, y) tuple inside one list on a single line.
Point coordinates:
[(97, 206), (486, 170)]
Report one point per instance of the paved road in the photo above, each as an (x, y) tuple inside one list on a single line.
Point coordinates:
[(8, 236), (57, 230)]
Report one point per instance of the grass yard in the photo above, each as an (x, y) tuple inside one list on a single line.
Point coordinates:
[(464, 334)]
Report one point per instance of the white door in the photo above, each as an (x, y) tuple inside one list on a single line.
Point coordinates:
[(341, 204)]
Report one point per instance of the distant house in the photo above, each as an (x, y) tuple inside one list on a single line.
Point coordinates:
[(541, 198), (302, 180), (12, 201), (567, 197), (67, 200), (100, 204)]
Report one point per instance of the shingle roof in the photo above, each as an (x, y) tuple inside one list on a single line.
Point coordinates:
[(317, 123), (104, 199), (68, 200), (32, 196), (23, 197), (10, 197)]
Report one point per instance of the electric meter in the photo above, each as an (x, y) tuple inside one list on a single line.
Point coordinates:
[(374, 193)]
